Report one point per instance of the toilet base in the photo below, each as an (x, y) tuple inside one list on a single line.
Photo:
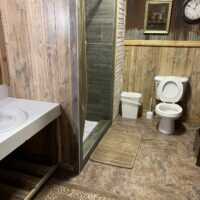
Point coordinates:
[(166, 125)]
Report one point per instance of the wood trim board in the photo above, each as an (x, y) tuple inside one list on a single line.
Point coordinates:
[(160, 43)]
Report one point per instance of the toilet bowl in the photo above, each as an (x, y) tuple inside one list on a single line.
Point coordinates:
[(169, 110), (170, 90), (168, 113)]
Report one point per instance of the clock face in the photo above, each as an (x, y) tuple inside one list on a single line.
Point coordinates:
[(192, 10)]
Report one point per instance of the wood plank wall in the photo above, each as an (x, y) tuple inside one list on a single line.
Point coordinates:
[(142, 63), (41, 43), (178, 30), (119, 51), (4, 75)]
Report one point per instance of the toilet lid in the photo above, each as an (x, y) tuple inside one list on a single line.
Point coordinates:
[(170, 90)]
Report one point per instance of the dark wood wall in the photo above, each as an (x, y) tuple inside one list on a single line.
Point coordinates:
[(178, 30), (41, 44)]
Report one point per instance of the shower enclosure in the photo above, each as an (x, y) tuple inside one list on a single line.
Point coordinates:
[(100, 70), (100, 32)]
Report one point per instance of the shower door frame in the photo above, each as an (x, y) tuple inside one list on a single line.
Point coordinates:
[(82, 84)]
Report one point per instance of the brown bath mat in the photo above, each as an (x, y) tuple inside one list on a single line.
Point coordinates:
[(119, 149), (58, 190)]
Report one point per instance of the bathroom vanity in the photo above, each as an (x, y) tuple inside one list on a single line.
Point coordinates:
[(39, 115), (20, 120)]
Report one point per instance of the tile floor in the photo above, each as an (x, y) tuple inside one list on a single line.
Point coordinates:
[(164, 168)]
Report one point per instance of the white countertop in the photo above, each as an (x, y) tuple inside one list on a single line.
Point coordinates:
[(40, 114)]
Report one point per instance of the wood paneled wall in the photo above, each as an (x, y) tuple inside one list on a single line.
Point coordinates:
[(178, 30), (4, 76), (142, 63), (119, 51), (41, 44)]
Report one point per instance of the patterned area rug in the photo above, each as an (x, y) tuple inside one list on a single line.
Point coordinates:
[(58, 190), (118, 149)]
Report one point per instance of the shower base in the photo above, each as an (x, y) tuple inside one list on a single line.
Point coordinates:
[(89, 126), (94, 138)]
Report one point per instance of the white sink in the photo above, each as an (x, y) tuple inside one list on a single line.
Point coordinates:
[(21, 119), (11, 118)]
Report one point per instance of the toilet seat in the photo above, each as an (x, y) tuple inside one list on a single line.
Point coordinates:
[(170, 90), (169, 110)]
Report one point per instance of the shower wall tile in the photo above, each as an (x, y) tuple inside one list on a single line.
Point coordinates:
[(95, 112), (108, 9), (100, 28), (99, 87), (94, 31), (93, 9), (100, 9), (93, 54), (108, 31), (100, 54), (107, 54)]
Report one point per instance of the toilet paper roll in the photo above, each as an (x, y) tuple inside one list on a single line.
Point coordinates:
[(149, 115)]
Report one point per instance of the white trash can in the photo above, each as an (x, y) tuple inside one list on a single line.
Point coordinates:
[(130, 104)]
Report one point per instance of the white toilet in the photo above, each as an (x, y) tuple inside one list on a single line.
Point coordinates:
[(170, 90)]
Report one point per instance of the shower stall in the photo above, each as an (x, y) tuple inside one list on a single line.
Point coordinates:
[(99, 36), (100, 73)]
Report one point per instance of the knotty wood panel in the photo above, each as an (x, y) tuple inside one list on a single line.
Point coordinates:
[(178, 30), (41, 43), (141, 64)]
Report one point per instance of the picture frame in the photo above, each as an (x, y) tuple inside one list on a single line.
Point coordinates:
[(157, 16)]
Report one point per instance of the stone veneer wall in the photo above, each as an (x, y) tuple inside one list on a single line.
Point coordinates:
[(100, 31)]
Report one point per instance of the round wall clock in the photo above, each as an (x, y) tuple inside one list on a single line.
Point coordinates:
[(191, 11)]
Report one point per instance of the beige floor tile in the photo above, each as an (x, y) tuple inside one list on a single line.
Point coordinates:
[(164, 168), (154, 189)]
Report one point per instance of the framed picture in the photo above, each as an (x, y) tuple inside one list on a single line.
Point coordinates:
[(157, 16)]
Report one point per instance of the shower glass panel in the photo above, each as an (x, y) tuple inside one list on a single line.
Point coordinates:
[(100, 32)]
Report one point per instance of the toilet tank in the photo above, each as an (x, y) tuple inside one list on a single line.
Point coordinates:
[(158, 79)]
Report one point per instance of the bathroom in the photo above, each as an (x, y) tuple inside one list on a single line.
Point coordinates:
[(79, 56)]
